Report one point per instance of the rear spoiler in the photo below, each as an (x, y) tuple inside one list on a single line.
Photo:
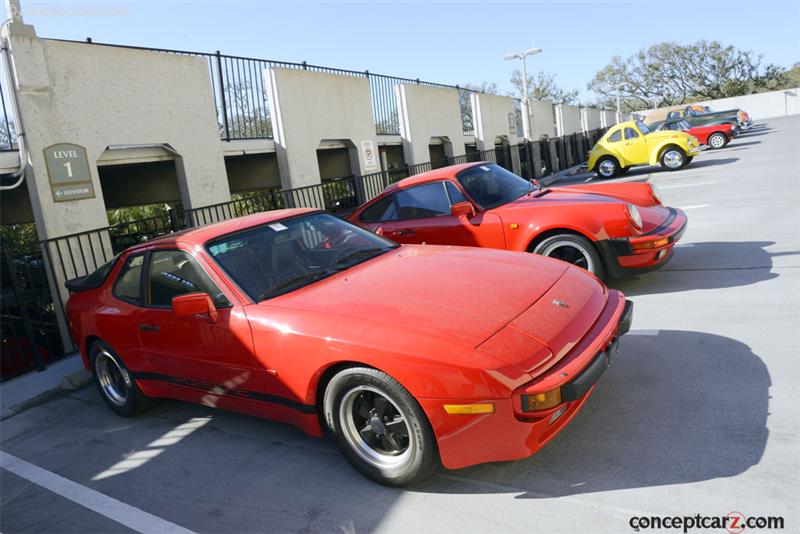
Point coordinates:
[(76, 285)]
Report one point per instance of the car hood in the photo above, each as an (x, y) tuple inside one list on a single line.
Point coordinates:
[(462, 294)]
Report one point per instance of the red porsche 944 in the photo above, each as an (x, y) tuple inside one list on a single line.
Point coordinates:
[(410, 356), (609, 229)]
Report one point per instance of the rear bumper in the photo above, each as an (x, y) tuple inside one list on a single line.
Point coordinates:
[(466, 440), (630, 256)]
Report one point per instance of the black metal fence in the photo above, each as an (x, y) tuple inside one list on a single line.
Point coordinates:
[(242, 100)]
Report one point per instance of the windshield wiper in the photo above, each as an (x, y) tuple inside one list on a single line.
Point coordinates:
[(365, 253), (296, 282)]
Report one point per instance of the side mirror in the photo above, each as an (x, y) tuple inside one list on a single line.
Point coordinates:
[(462, 209), (194, 304)]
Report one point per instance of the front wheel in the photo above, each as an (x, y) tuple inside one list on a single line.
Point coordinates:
[(379, 427), (573, 249), (717, 140), (673, 158)]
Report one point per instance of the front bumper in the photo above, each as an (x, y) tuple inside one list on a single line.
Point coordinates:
[(627, 256), (466, 440), (695, 151)]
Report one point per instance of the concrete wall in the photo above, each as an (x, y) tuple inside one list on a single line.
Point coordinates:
[(96, 96), (759, 106), (427, 112), (590, 119), (542, 119), (492, 119), (608, 118), (309, 107), (568, 119)]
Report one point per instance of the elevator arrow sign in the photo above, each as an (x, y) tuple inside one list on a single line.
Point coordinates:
[(68, 172)]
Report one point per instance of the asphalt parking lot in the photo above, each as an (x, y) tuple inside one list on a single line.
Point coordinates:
[(698, 414)]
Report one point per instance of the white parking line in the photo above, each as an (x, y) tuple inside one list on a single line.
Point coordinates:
[(686, 185), (118, 511), (694, 207)]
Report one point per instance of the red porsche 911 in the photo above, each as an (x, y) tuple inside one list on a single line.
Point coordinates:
[(410, 356), (610, 230)]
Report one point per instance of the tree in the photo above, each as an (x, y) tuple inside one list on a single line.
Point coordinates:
[(248, 111), (670, 73), (542, 86)]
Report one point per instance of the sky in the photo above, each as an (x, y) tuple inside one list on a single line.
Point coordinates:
[(452, 42)]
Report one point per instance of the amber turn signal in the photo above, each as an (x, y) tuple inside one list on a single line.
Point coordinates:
[(650, 244), (469, 409), (541, 401)]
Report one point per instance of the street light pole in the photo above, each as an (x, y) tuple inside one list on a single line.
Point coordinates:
[(526, 128)]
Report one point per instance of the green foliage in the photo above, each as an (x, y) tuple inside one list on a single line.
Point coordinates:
[(542, 86), (670, 73), (136, 213), (19, 238)]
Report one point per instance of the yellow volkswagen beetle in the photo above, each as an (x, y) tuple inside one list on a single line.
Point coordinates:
[(632, 143)]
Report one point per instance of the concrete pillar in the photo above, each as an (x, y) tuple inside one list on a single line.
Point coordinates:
[(427, 112), (495, 116), (542, 120), (310, 107)]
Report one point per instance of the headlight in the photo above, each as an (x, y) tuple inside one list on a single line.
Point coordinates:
[(633, 215), (655, 193)]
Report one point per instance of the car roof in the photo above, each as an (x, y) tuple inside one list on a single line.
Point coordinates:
[(441, 173), (202, 234)]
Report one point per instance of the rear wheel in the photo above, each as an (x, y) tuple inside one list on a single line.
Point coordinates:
[(573, 249), (115, 383), (607, 167), (379, 427), (673, 158), (717, 140)]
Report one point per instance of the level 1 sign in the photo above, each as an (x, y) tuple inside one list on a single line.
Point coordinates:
[(68, 172)]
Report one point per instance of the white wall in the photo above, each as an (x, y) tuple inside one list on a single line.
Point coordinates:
[(491, 114), (568, 119), (758, 106), (96, 96), (542, 120), (590, 119), (427, 112), (308, 107)]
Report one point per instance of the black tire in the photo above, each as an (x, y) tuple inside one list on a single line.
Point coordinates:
[(689, 159), (574, 249), (607, 167), (673, 158), (717, 140), (624, 170), (114, 382), (379, 427)]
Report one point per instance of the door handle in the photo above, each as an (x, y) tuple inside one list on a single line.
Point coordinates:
[(404, 232), (149, 327)]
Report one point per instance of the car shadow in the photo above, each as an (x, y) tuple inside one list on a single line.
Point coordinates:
[(674, 408), (711, 162), (736, 144), (707, 265)]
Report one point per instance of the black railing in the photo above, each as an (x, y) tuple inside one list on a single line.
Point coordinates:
[(241, 98)]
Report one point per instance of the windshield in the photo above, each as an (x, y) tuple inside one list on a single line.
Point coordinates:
[(642, 127), (285, 255), (491, 185)]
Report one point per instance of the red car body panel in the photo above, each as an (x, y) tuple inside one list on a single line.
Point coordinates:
[(596, 211), (702, 133), (451, 324)]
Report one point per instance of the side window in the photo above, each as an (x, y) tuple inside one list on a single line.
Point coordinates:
[(616, 136), (674, 115), (175, 272), (383, 210), (128, 285), (428, 200), (455, 194), (630, 133)]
